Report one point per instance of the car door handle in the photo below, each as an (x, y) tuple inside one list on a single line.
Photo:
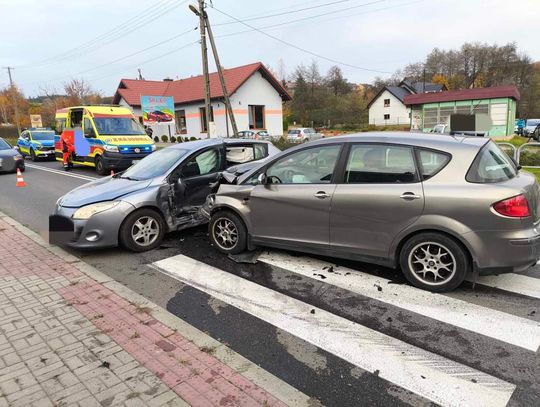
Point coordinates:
[(409, 196), (321, 195)]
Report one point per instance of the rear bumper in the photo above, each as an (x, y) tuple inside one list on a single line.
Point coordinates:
[(497, 252)]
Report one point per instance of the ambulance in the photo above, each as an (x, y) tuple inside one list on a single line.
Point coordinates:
[(106, 137)]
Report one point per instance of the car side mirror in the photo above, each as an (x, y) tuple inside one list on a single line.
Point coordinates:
[(262, 179)]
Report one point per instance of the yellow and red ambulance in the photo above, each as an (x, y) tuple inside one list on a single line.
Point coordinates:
[(106, 137)]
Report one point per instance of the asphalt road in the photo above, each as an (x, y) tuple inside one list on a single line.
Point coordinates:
[(353, 334)]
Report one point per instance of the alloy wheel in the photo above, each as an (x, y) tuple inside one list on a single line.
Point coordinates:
[(145, 231), (432, 263), (225, 233)]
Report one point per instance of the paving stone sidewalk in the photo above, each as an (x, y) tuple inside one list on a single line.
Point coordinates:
[(66, 339)]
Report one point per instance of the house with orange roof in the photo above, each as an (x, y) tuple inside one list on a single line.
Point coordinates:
[(256, 95)]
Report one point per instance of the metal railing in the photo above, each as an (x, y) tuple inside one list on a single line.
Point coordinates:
[(518, 153)]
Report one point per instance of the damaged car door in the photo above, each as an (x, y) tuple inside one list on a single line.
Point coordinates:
[(192, 182)]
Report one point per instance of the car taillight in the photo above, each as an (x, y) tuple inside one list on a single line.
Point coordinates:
[(515, 207)]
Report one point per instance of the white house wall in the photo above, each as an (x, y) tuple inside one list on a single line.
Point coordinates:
[(399, 113)]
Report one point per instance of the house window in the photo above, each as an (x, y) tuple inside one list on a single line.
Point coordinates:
[(386, 117), (202, 113), (180, 116), (386, 102), (256, 116)]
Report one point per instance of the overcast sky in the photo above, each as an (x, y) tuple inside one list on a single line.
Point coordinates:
[(50, 41)]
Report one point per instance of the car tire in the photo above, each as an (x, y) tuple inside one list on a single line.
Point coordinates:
[(148, 224), (33, 155), (427, 256), (100, 168), (223, 221)]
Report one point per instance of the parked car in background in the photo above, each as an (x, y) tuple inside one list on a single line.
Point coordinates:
[(530, 126), (255, 135), (10, 158), (37, 143), (163, 192), (437, 207), (302, 135), (247, 134)]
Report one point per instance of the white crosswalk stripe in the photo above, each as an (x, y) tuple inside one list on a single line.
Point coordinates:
[(428, 375), (485, 321), (515, 283)]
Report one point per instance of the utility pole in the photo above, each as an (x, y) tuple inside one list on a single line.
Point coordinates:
[(221, 78), (14, 100), (204, 51)]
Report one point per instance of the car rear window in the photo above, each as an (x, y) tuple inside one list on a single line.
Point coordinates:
[(491, 165), (432, 162)]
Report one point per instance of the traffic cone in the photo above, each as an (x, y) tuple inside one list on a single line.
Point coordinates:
[(20, 180)]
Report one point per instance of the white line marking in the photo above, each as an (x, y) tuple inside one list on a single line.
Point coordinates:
[(58, 172), (431, 376), (512, 282), (495, 324)]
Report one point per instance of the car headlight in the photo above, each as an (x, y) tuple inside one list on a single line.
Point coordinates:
[(89, 210), (112, 149), (17, 157)]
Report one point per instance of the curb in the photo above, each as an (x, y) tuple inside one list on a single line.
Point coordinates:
[(265, 380)]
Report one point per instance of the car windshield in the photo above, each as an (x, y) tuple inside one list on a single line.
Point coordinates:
[(294, 131), (4, 145), (43, 135), (533, 122), (124, 126), (263, 133), (155, 164)]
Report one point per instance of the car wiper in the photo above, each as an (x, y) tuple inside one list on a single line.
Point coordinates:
[(130, 178)]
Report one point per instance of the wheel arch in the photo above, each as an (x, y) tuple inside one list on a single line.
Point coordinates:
[(459, 240), (136, 209)]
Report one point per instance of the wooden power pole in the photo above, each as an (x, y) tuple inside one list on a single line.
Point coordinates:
[(14, 99), (228, 105), (204, 51)]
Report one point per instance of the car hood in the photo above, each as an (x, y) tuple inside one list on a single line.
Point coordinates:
[(103, 189), (45, 143)]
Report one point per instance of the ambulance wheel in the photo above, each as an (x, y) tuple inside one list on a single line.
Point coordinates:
[(33, 156), (100, 168)]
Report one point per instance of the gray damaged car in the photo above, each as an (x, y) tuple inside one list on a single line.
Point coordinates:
[(438, 207), (161, 193)]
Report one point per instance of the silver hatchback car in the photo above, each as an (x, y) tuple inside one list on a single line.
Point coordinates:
[(438, 207), (161, 193)]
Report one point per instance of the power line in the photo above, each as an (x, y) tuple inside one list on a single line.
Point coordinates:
[(297, 20), (227, 35), (335, 61), (141, 19), (304, 9), (118, 59)]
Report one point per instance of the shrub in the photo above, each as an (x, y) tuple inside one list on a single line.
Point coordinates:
[(193, 138), (156, 139), (180, 139), (164, 138), (530, 158), (283, 144), (173, 139)]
